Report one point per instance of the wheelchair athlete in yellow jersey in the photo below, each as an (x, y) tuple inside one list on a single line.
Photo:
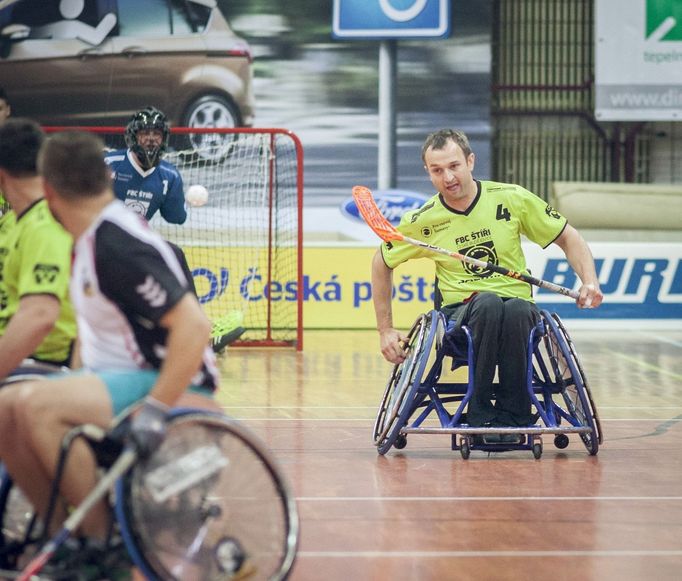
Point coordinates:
[(484, 220)]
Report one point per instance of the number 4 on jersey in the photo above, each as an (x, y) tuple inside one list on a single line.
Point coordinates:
[(502, 213)]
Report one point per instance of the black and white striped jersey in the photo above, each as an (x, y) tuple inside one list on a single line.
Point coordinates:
[(125, 277)]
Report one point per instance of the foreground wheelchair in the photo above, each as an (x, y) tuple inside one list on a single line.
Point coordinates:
[(418, 399), (209, 504)]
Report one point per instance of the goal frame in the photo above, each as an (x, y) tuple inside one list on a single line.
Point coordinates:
[(268, 341)]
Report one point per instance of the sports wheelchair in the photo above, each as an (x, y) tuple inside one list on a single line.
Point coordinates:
[(209, 504), (416, 391)]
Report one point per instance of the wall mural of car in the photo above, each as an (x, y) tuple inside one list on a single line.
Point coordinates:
[(96, 62)]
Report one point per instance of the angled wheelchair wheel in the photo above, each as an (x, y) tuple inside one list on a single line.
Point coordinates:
[(209, 505), (395, 408), (402, 376), (583, 377), (570, 376)]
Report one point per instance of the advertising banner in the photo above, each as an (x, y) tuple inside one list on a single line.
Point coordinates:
[(638, 60), (642, 284)]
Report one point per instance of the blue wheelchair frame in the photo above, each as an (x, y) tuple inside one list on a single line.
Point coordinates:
[(555, 381)]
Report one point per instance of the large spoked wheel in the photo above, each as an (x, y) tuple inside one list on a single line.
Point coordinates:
[(209, 505), (574, 390), (583, 378), (386, 428), (396, 405)]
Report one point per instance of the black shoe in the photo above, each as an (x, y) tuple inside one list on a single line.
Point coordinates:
[(511, 438), (90, 560), (497, 438)]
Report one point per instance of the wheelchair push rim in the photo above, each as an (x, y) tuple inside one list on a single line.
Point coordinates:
[(583, 378), (399, 382), (236, 517), (573, 391)]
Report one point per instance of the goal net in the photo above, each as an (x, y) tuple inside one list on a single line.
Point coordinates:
[(244, 245)]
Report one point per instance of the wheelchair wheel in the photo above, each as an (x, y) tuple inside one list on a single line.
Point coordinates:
[(386, 427), (209, 505), (425, 339), (579, 368), (573, 390)]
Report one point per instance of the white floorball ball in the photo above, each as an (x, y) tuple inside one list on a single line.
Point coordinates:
[(196, 195)]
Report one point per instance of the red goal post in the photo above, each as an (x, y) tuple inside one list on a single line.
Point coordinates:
[(245, 245)]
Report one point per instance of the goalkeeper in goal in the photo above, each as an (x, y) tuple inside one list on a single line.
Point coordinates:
[(147, 184)]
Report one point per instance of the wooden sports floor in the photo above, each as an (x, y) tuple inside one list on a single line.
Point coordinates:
[(424, 513)]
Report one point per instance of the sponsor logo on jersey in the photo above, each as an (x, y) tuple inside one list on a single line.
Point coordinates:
[(552, 212), (138, 206), (152, 292), (426, 231), (45, 273), (416, 215), (484, 251), (441, 226), (4, 299)]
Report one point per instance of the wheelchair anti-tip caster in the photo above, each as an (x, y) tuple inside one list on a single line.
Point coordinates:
[(537, 450), (464, 448), (400, 442), (561, 441)]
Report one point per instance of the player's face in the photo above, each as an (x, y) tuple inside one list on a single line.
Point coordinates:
[(450, 171), (149, 138)]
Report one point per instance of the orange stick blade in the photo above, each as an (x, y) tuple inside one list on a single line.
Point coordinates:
[(372, 215)]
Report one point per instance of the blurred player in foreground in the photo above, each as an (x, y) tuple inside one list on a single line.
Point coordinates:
[(147, 184), (36, 318), (485, 220), (143, 338)]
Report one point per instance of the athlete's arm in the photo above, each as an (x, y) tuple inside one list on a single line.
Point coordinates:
[(188, 334), (26, 330), (382, 289), (173, 207), (580, 258)]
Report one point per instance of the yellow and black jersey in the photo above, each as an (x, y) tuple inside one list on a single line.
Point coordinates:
[(489, 230)]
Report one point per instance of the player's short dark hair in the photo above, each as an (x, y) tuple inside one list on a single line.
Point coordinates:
[(72, 163), (3, 95), (439, 139), (20, 141)]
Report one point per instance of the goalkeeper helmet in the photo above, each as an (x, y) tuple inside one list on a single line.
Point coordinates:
[(147, 118)]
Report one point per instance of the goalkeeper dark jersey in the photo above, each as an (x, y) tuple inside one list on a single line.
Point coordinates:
[(158, 189), (489, 230)]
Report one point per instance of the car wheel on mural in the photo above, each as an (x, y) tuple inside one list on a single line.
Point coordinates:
[(208, 112), (96, 62)]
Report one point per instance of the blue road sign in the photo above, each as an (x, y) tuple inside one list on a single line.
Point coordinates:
[(382, 19)]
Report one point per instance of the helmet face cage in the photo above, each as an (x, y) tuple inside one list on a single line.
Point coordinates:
[(148, 118)]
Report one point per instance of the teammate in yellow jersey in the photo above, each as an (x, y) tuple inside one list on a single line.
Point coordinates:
[(36, 317), (485, 220)]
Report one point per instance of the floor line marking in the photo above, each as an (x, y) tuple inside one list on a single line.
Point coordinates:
[(481, 498), (644, 364), (371, 420), (661, 339), (372, 407), (487, 554)]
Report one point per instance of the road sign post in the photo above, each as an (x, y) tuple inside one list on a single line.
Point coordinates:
[(389, 21)]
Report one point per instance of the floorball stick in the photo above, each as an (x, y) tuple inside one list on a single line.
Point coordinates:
[(386, 231), (120, 467)]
